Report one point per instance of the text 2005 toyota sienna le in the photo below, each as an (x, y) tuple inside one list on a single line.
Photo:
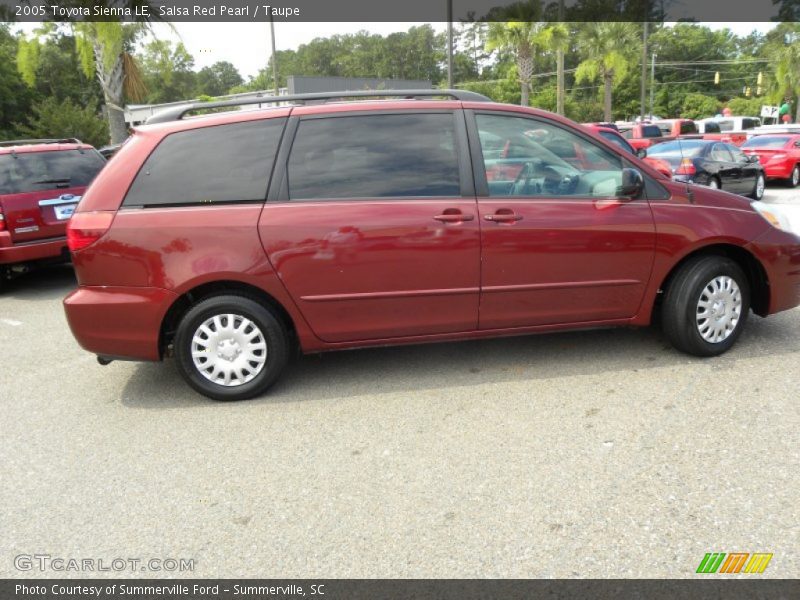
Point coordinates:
[(226, 239)]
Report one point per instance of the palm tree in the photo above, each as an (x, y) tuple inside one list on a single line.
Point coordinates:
[(105, 52), (524, 39), (608, 50), (784, 53)]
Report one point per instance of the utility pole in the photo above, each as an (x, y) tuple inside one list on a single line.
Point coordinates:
[(274, 57), (560, 66), (643, 96), (449, 44), (652, 81)]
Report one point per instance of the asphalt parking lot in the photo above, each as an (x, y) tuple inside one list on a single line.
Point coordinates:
[(587, 454)]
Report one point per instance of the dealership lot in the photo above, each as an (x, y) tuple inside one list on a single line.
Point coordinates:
[(592, 454)]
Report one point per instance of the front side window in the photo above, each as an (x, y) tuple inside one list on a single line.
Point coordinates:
[(374, 156), (210, 165), (527, 157)]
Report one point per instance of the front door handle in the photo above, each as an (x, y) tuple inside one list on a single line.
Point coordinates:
[(453, 215), (503, 215)]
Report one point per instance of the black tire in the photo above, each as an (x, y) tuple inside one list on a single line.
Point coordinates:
[(679, 311), (754, 194), (794, 178), (274, 336)]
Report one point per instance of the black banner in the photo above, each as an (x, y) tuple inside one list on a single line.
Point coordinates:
[(392, 10), (714, 586)]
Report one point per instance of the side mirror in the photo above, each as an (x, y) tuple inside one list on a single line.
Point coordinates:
[(797, 144), (753, 158), (632, 184), (641, 153)]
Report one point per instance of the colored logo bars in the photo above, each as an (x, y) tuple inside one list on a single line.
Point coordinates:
[(736, 562)]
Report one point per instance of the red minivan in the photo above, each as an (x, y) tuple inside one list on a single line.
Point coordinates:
[(41, 182), (227, 239)]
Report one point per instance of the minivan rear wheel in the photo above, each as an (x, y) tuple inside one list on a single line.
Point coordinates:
[(230, 347), (706, 306)]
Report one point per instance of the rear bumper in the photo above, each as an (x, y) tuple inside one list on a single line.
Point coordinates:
[(778, 171), (121, 322), (779, 253), (11, 253)]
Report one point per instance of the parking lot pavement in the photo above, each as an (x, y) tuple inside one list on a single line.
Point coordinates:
[(592, 454)]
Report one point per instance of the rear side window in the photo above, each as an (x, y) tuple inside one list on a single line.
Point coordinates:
[(711, 127), (374, 156), (35, 171), (224, 163), (688, 127), (650, 131)]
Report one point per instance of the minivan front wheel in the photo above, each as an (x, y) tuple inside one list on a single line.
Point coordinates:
[(230, 347), (706, 306)]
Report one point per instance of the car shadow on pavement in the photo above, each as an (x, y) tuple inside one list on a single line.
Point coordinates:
[(408, 369), (41, 283)]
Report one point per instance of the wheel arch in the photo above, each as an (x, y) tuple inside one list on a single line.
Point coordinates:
[(200, 292), (752, 267)]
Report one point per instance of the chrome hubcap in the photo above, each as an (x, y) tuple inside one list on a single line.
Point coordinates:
[(760, 187), (719, 309), (229, 349)]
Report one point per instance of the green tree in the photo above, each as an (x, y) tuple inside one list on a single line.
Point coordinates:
[(63, 118), (218, 79), (105, 50), (697, 106), (524, 40), (783, 49), (609, 50), (15, 96), (167, 71)]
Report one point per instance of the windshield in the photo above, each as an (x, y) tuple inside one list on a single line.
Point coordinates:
[(777, 141), (687, 149), (34, 171)]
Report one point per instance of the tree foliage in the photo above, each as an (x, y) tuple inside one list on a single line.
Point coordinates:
[(54, 118)]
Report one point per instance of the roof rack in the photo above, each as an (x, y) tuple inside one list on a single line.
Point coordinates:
[(6, 144), (177, 113)]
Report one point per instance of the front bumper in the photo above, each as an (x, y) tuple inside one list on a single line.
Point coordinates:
[(11, 253), (779, 253), (118, 322)]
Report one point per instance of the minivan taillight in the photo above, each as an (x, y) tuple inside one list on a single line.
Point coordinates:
[(84, 229), (686, 167)]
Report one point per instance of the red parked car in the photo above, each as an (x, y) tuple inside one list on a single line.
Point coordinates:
[(228, 239), (41, 182), (641, 135), (779, 154), (616, 138)]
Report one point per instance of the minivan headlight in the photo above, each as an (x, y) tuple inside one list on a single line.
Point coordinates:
[(774, 216)]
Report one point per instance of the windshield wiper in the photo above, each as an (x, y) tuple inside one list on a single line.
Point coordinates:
[(67, 180)]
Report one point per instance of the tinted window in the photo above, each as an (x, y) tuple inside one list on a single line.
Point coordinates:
[(766, 142), (750, 123), (649, 131), (738, 155), (225, 163), (375, 156), (617, 141), (34, 171), (684, 148), (527, 157), (720, 153), (688, 127), (711, 127)]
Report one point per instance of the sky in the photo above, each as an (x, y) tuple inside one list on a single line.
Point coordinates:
[(247, 45)]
